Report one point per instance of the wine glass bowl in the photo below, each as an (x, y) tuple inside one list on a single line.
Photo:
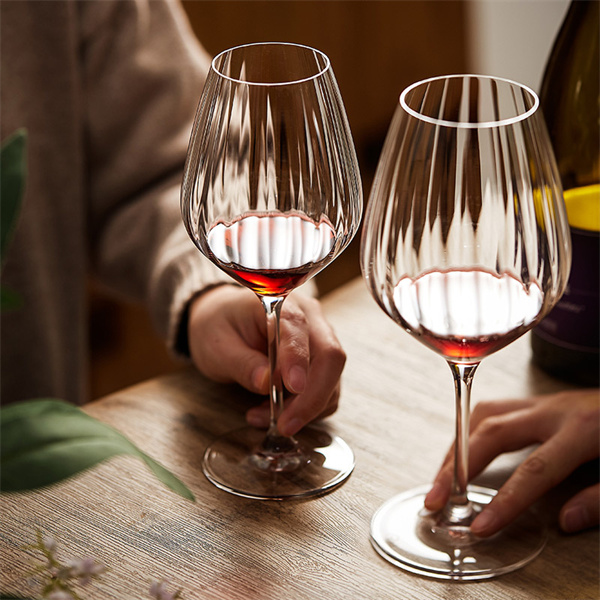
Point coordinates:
[(466, 247), (271, 195)]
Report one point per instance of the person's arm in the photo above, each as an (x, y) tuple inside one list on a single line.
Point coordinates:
[(566, 426), (143, 73)]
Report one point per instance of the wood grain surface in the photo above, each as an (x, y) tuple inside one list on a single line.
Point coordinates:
[(396, 413)]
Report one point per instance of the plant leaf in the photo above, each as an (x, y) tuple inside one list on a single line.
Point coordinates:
[(46, 441), (9, 300), (13, 171)]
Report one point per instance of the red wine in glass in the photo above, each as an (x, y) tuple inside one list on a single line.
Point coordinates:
[(271, 195), (271, 253), (466, 314), (466, 246)]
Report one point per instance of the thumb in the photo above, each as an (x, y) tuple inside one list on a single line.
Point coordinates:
[(225, 356), (248, 367)]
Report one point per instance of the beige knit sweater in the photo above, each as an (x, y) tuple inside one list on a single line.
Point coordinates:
[(107, 91)]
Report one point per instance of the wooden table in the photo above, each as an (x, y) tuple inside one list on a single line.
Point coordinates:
[(396, 413)]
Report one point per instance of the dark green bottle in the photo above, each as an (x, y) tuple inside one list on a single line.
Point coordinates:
[(566, 343)]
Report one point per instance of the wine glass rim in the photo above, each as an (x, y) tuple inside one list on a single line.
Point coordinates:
[(273, 83), (463, 124)]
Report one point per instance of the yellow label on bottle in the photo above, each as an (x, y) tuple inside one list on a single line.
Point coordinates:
[(583, 207)]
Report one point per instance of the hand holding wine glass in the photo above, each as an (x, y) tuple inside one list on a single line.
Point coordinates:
[(565, 426), (466, 247), (227, 341), (271, 195)]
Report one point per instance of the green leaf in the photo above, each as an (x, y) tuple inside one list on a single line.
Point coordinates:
[(9, 300), (46, 441), (13, 171)]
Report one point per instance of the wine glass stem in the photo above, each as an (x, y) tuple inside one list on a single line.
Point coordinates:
[(273, 311), (459, 510)]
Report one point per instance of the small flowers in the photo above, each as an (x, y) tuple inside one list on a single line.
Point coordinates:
[(84, 570), (62, 578), (60, 595), (158, 591)]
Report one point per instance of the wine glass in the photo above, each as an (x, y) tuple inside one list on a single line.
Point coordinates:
[(466, 247), (271, 195)]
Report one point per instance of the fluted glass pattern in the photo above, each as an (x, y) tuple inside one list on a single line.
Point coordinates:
[(466, 182), (466, 246), (271, 195), (271, 134)]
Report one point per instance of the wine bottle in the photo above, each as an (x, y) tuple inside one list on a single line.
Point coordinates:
[(566, 343)]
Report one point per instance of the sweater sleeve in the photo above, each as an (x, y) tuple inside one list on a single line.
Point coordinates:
[(142, 72)]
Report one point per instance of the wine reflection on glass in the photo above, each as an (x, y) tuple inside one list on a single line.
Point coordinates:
[(271, 195), (466, 247)]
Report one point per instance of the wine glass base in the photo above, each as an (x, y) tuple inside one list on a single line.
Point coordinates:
[(233, 463), (410, 537)]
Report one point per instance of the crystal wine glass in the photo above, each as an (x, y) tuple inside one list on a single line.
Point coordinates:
[(271, 195), (466, 247)]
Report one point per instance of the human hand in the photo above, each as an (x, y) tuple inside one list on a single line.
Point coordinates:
[(567, 427), (227, 333)]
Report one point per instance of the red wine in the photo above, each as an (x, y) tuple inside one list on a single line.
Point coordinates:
[(465, 315), (271, 253)]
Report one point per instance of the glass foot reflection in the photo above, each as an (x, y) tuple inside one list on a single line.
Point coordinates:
[(410, 537), (317, 463)]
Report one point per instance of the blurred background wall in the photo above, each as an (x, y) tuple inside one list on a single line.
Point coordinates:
[(377, 48), (512, 38)]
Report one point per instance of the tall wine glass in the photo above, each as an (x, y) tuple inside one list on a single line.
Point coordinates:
[(466, 247), (271, 195)]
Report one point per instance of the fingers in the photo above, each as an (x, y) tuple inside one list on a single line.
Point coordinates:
[(553, 461), (319, 395), (503, 428), (503, 433), (226, 337), (581, 511), (294, 347), (311, 361), (492, 408), (259, 416)]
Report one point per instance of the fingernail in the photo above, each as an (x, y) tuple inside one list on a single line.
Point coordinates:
[(297, 380), (292, 427), (260, 379), (574, 519), (484, 523), (434, 499)]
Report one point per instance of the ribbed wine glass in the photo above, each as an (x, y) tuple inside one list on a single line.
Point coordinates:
[(466, 247), (271, 195)]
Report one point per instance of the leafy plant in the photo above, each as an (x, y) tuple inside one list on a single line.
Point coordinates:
[(13, 172), (62, 579), (45, 441)]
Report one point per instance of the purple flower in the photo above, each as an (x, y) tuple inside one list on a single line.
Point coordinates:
[(49, 543), (60, 595), (85, 569), (158, 590)]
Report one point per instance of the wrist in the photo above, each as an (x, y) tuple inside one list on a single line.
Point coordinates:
[(182, 343)]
